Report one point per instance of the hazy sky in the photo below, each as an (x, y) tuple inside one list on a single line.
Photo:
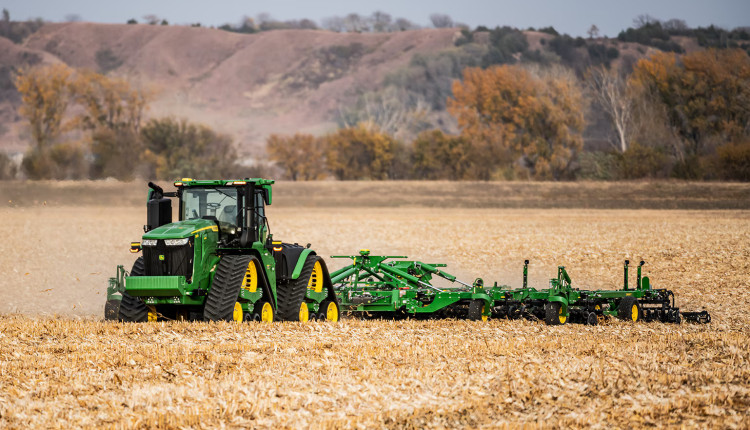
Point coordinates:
[(572, 17)]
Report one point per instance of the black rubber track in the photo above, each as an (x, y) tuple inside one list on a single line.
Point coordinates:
[(552, 313), (112, 310), (132, 309), (291, 293), (226, 287), (475, 310)]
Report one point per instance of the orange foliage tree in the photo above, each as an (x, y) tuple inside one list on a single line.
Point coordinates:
[(45, 95), (361, 152), (706, 94), (516, 121), (437, 155), (301, 156)]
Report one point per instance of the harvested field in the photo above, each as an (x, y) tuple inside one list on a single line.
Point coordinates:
[(61, 366)]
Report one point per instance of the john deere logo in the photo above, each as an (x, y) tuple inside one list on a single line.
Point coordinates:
[(161, 258)]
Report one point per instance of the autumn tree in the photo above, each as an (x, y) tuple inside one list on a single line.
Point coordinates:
[(437, 155), (301, 156), (705, 95), (107, 102), (516, 120), (611, 93), (111, 111), (178, 148), (45, 96), (360, 152)]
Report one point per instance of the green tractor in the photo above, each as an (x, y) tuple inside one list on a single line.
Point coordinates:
[(218, 261)]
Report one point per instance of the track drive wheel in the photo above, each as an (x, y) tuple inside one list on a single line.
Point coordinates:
[(553, 314), (291, 294), (629, 309), (132, 309), (233, 273), (329, 311), (476, 310)]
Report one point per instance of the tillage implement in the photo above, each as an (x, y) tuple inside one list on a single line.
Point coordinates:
[(218, 261), (388, 286)]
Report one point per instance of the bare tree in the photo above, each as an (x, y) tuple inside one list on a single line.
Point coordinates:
[(403, 24), (390, 110), (355, 23), (644, 20), (151, 19), (440, 20), (593, 31), (381, 21), (72, 17), (675, 24), (610, 91), (333, 23)]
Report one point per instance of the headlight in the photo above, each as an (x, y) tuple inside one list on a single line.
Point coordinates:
[(176, 242), (148, 242)]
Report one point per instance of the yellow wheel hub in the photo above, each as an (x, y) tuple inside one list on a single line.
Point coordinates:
[(266, 313), (332, 312), (152, 314), (237, 313), (316, 278), (634, 312), (562, 317), (304, 314), (250, 282), (484, 309)]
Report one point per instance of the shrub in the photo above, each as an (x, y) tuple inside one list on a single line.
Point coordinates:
[(734, 161), (642, 162)]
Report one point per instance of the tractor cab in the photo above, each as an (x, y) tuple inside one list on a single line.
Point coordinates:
[(236, 208)]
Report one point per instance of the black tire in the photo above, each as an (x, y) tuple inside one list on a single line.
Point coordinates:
[(226, 287), (629, 309), (553, 314), (112, 310), (292, 293), (476, 308), (592, 319), (324, 307), (132, 309)]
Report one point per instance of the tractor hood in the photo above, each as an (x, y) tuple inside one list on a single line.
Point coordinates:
[(181, 229)]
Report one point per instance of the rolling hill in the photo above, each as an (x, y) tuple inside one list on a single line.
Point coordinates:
[(247, 85)]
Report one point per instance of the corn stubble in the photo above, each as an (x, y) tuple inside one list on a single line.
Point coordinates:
[(75, 371)]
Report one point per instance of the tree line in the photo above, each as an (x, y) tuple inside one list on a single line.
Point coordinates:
[(87, 125), (685, 116)]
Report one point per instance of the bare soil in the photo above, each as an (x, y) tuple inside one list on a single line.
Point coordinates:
[(60, 365)]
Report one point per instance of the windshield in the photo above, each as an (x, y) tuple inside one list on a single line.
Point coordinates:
[(219, 202)]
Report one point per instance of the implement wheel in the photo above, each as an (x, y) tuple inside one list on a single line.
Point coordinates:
[(132, 309), (291, 294), (629, 309), (476, 311), (553, 314), (233, 273)]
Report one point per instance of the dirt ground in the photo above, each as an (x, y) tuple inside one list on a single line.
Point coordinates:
[(61, 366)]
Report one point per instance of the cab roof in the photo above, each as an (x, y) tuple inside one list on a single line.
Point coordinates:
[(190, 182)]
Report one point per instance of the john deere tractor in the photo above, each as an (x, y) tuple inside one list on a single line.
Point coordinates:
[(218, 261)]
